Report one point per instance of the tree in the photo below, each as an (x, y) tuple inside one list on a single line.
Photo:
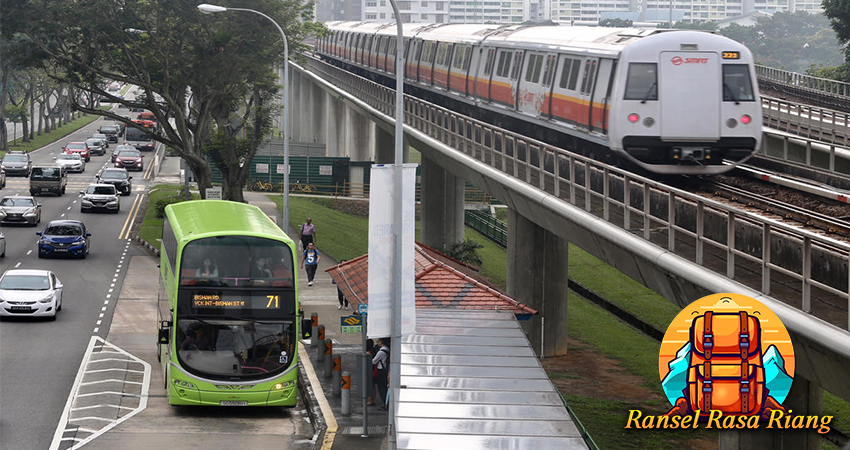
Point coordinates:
[(465, 252), (838, 12), (16, 114), (201, 76)]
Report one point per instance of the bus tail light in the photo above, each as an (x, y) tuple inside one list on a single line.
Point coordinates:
[(746, 119), (633, 117)]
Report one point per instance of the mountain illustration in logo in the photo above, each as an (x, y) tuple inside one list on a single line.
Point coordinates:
[(777, 381)]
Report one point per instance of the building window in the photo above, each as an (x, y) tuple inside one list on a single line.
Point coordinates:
[(371, 16), (383, 2), (371, 4), (424, 4), (383, 15), (424, 16), (440, 6)]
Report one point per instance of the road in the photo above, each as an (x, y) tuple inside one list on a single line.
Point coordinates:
[(40, 359)]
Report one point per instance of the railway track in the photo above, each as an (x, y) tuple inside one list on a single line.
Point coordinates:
[(765, 203)]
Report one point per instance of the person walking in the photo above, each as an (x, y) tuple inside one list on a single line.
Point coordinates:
[(343, 302), (310, 261), (381, 361), (307, 234)]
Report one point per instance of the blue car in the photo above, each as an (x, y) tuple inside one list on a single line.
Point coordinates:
[(64, 238)]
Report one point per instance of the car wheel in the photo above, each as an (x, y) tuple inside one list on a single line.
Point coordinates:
[(82, 210), (117, 210), (40, 256), (59, 308), (52, 318), (32, 192), (63, 190)]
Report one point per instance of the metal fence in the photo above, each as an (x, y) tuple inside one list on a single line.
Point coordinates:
[(484, 223), (822, 124), (803, 81), (644, 207)]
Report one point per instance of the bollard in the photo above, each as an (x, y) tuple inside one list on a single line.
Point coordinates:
[(336, 373), (346, 394), (314, 318), (329, 354), (320, 340)]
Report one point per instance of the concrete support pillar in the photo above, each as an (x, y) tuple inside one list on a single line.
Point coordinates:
[(538, 276), (442, 206), (317, 118), (385, 147), (307, 108), (334, 126), (297, 102), (804, 399), (361, 138)]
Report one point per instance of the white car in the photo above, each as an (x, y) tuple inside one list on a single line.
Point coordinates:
[(72, 162), (2, 245), (30, 293)]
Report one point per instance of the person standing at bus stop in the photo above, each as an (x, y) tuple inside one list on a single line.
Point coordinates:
[(307, 234), (311, 262)]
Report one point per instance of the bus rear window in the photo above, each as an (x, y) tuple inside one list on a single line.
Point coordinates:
[(737, 86), (237, 261), (642, 82)]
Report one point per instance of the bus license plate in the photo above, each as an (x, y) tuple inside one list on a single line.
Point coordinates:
[(233, 403)]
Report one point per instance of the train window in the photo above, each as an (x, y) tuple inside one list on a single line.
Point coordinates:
[(517, 68), (642, 82), (442, 54), (569, 74), (532, 74), (460, 55), (488, 66), (737, 86), (467, 59), (504, 63), (429, 52), (391, 48), (586, 77), (551, 63)]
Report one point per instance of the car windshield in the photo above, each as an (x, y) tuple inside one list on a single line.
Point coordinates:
[(17, 201), (64, 230), (45, 173), (25, 283), (115, 175), (15, 158), (101, 190), (76, 146), (93, 141), (109, 128), (98, 136), (129, 153), (67, 156)]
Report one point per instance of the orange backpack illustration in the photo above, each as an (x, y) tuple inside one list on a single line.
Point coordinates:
[(726, 372)]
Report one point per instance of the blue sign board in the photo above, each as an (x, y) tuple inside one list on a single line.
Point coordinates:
[(362, 308), (350, 321)]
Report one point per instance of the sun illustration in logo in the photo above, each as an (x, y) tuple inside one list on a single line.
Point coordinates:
[(728, 353)]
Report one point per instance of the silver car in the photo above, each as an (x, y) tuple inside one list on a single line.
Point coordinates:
[(101, 136), (30, 293), (20, 210), (97, 146), (72, 162), (100, 196)]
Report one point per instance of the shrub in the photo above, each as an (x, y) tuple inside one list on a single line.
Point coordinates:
[(165, 201)]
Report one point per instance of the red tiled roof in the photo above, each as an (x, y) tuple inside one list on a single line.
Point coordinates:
[(441, 282)]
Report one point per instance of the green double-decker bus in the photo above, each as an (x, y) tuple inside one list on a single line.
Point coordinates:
[(228, 306)]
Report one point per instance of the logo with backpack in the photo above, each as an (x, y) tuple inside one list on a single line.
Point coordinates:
[(726, 353)]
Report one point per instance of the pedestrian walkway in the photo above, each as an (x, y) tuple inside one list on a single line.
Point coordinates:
[(321, 298)]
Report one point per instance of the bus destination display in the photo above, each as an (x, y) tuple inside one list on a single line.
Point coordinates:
[(224, 300)]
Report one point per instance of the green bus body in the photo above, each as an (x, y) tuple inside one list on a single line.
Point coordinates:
[(228, 307)]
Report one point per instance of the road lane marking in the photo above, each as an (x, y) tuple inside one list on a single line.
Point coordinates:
[(131, 217)]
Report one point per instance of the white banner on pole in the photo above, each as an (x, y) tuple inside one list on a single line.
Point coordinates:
[(382, 248)]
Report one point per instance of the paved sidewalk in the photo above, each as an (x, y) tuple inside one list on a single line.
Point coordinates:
[(321, 298)]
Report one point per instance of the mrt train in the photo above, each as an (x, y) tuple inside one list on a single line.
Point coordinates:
[(671, 101)]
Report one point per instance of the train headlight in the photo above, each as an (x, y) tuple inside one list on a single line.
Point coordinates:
[(745, 119), (731, 123), (648, 122), (633, 117)]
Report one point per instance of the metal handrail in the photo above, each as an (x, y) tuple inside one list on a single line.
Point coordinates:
[(573, 177), (803, 81), (822, 124)]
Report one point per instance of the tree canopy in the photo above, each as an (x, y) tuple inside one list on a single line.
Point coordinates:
[(203, 76), (790, 41)]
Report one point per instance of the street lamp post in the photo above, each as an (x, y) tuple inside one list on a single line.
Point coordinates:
[(210, 9), (398, 220)]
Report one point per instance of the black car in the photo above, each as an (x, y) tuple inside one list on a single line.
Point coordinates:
[(118, 177), (111, 131), (17, 163)]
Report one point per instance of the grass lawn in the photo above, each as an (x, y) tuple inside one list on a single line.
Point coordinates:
[(151, 228), (52, 135)]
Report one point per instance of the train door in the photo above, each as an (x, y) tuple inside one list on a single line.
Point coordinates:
[(426, 62), (531, 91), (500, 85), (481, 78), (441, 64), (600, 97), (588, 83), (689, 86), (516, 71), (459, 68)]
